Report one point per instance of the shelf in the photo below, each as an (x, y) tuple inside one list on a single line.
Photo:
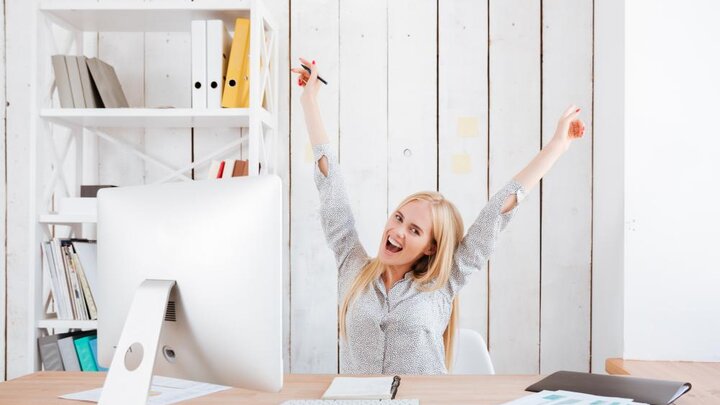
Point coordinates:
[(152, 117), (66, 324), (155, 16), (67, 219)]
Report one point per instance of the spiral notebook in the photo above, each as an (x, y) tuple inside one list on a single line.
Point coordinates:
[(362, 388)]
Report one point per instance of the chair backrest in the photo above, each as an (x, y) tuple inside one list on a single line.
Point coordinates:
[(471, 354)]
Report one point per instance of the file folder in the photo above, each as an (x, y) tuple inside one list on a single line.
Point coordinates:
[(75, 83), (198, 43), (62, 81), (237, 85), (218, 53)]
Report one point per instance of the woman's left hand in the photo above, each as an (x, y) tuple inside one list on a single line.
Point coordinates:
[(569, 127)]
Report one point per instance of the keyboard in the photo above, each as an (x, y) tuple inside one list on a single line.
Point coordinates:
[(352, 402)]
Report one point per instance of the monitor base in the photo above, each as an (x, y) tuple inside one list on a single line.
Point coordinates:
[(142, 327)]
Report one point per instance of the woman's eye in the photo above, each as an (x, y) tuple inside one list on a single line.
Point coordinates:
[(415, 231), (398, 217)]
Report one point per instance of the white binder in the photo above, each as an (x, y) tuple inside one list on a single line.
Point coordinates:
[(218, 53), (198, 64)]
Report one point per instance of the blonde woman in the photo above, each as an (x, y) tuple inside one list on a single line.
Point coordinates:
[(398, 310)]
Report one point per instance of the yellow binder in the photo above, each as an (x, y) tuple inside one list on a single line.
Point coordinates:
[(236, 93)]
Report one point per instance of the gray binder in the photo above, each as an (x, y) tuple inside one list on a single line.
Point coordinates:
[(49, 353), (650, 391), (90, 91)]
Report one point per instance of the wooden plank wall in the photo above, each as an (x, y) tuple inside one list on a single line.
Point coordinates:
[(424, 95)]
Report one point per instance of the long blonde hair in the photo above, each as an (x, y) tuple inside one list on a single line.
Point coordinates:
[(430, 272)]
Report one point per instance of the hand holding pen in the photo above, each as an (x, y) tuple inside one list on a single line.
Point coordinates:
[(308, 78)]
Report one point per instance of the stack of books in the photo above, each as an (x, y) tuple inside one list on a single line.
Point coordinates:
[(222, 169), (70, 264), (87, 83), (74, 351)]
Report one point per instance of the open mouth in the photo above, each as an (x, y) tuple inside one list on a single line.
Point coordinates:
[(392, 245)]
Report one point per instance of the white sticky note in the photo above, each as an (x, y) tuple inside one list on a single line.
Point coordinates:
[(461, 163), (468, 127)]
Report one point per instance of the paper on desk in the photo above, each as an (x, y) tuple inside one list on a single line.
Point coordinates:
[(569, 397), (163, 390)]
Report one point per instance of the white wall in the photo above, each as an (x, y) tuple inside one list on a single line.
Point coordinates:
[(672, 276), (456, 98)]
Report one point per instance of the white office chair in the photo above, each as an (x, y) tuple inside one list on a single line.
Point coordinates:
[(471, 354)]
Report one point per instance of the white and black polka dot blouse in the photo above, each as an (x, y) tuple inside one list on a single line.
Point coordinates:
[(400, 331)]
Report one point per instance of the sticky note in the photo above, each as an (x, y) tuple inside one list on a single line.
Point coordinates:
[(461, 163), (468, 127), (309, 158)]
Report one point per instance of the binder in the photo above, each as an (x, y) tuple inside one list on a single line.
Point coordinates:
[(218, 53), (75, 84), (84, 353), (237, 85), (50, 353), (198, 74), (107, 84), (70, 360), (90, 91), (93, 350), (62, 81), (643, 390)]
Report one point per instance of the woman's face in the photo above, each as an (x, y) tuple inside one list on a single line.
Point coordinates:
[(407, 235)]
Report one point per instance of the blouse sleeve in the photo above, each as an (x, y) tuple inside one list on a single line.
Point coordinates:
[(479, 242), (335, 214)]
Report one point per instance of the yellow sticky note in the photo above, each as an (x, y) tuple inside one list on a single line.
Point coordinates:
[(461, 163), (468, 127), (309, 153)]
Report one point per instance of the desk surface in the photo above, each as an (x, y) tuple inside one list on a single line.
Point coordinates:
[(44, 388), (704, 377)]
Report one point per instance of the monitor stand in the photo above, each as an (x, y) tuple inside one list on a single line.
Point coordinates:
[(142, 326)]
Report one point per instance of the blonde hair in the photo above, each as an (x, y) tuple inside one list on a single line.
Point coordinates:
[(430, 272)]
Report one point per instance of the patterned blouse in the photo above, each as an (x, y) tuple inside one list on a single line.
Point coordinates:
[(399, 331)]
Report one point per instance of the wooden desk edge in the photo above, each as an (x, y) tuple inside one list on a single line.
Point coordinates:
[(615, 366)]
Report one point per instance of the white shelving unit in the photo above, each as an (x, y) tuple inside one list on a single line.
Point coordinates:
[(90, 126)]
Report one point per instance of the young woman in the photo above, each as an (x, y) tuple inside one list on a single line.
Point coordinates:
[(398, 310)]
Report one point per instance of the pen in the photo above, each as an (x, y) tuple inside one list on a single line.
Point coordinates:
[(310, 71), (394, 386)]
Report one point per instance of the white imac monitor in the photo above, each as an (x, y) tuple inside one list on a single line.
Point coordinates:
[(220, 242)]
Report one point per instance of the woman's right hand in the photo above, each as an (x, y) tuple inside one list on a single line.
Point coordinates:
[(308, 80)]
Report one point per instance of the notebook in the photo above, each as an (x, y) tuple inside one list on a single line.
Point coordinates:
[(362, 388)]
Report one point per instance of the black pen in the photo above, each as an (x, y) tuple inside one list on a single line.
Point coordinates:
[(394, 386), (310, 71)]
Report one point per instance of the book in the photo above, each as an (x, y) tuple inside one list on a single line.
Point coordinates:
[(91, 190), (84, 353), (62, 81), (89, 89), (93, 350), (214, 168), (63, 280), (198, 63), (240, 169), (75, 81), (87, 293), (228, 168), (86, 251), (362, 388), (237, 83), (50, 353), (54, 282), (220, 170), (75, 291), (108, 84), (218, 53)]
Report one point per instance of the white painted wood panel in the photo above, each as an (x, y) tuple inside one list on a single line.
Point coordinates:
[(566, 190), (125, 51), (462, 140), (313, 318), (279, 9), (3, 197), (514, 140), (412, 98), (608, 182), (21, 29), (364, 115), (167, 74)]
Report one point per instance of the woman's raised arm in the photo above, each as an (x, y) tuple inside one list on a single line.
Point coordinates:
[(308, 100), (568, 128)]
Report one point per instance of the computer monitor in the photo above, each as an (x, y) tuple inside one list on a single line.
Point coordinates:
[(220, 241)]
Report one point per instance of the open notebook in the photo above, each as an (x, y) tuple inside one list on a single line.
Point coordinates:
[(362, 388)]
